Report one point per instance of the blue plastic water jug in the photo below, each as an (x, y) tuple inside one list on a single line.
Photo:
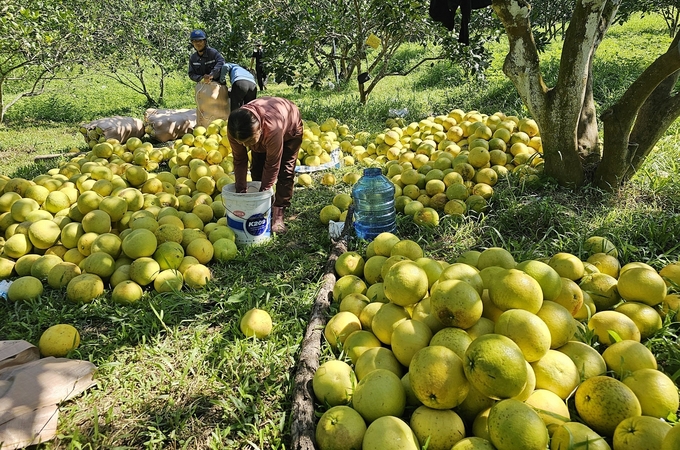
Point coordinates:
[(374, 211)]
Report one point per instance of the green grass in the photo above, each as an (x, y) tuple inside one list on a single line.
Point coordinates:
[(175, 370)]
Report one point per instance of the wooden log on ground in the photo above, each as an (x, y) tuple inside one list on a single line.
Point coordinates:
[(303, 424)]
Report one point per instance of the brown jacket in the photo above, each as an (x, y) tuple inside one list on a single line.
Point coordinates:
[(280, 121)]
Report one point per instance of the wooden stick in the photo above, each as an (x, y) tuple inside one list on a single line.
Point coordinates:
[(303, 425)]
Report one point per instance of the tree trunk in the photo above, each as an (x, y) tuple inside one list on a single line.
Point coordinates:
[(565, 113), (587, 133), (634, 124)]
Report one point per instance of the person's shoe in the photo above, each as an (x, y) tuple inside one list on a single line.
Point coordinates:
[(278, 226)]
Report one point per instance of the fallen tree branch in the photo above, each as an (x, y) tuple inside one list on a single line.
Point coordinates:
[(303, 423)]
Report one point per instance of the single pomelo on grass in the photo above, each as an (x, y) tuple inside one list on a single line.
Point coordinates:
[(127, 292), (339, 428), (437, 377), (379, 394), (58, 340), (256, 323), (599, 244), (443, 428), (514, 425), (333, 383), (603, 402), (196, 276), (495, 366), (168, 280)]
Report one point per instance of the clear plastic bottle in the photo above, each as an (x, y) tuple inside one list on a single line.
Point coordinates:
[(374, 210)]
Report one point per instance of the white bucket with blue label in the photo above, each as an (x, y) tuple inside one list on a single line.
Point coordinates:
[(249, 214)]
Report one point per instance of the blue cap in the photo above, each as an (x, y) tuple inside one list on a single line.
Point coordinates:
[(198, 35)]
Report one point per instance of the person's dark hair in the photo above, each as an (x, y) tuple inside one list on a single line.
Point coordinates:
[(241, 124)]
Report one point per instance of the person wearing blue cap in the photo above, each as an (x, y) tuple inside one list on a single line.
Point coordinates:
[(206, 63), (243, 86)]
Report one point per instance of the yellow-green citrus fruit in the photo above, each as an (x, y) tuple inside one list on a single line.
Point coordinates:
[(437, 377), (25, 288), (58, 340), (127, 292), (495, 366), (256, 322), (380, 393), (514, 425), (340, 427), (603, 402), (333, 383), (84, 288)]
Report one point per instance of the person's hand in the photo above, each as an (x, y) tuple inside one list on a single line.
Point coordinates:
[(207, 78)]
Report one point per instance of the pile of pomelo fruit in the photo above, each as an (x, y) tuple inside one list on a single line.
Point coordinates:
[(491, 353), (444, 164), (127, 217)]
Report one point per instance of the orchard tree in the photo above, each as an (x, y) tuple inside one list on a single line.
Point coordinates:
[(140, 44), (566, 112), (668, 9), (335, 36), (38, 41)]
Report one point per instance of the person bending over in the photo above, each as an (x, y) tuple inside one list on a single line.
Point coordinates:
[(243, 87), (271, 127)]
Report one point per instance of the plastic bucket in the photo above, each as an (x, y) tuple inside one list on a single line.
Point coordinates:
[(249, 213)]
